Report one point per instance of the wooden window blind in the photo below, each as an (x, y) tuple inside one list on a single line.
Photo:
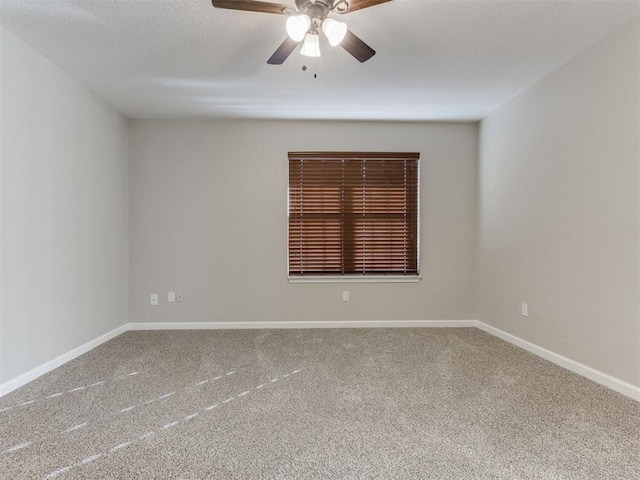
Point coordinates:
[(353, 213)]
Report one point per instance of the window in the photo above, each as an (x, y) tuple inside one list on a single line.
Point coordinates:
[(353, 214)]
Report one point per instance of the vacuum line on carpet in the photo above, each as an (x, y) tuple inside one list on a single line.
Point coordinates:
[(90, 459), (166, 395), (77, 427), (120, 446), (59, 471), (127, 409), (73, 390), (17, 447), (149, 434)]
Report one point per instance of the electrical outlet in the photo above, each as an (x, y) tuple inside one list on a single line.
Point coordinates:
[(179, 297), (171, 297), (153, 299), (345, 295), (525, 310)]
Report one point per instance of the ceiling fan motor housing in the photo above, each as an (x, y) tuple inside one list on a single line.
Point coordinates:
[(316, 9)]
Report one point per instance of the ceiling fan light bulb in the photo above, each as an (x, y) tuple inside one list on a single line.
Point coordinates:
[(297, 26), (334, 30), (311, 46)]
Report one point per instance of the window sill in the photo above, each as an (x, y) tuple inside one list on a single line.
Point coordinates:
[(356, 279)]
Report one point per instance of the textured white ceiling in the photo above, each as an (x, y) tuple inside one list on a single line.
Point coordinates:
[(436, 60)]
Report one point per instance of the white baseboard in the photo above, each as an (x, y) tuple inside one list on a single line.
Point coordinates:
[(25, 378), (599, 377), (592, 374), (287, 325)]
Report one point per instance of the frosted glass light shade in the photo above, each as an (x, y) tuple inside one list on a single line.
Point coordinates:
[(311, 46), (334, 30), (297, 26)]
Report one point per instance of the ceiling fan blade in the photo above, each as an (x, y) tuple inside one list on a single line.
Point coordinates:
[(255, 6), (360, 4), (283, 52), (356, 47)]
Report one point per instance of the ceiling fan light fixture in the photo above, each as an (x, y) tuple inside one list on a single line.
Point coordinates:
[(311, 46), (297, 26), (334, 30)]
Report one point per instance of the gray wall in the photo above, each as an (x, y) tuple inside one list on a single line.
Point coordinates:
[(551, 216), (559, 210), (208, 217), (64, 231)]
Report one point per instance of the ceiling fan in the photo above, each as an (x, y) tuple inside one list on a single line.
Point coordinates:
[(306, 20)]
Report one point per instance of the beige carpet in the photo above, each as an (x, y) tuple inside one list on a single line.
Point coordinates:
[(316, 404)]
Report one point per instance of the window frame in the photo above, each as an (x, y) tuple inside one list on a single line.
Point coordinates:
[(357, 277)]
